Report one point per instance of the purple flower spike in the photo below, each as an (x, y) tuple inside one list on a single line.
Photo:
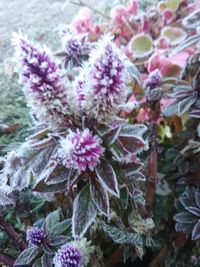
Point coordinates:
[(154, 79), (73, 47), (68, 256), (35, 236), (81, 150), (76, 46), (105, 78), (41, 80)]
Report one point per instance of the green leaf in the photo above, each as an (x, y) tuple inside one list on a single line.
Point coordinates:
[(27, 256), (37, 263), (52, 219), (59, 240), (133, 130), (60, 227), (185, 104), (171, 110), (122, 237), (141, 45), (84, 213), (46, 260)]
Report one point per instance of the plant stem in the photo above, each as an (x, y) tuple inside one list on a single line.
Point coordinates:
[(116, 257), (177, 242), (153, 161), (6, 260), (12, 233)]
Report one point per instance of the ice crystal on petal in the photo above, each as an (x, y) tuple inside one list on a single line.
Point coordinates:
[(41, 80), (81, 150), (105, 81), (35, 236)]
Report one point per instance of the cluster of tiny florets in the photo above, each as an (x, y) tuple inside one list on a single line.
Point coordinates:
[(41, 80), (154, 79), (75, 46), (105, 85), (81, 150), (79, 87), (35, 236), (68, 256)]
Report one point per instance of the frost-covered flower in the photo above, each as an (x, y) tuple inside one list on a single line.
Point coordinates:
[(76, 46), (105, 81), (35, 236), (154, 79), (68, 256), (79, 86), (73, 254), (41, 80), (81, 150)]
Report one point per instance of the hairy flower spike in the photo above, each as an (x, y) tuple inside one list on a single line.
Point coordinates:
[(68, 256), (35, 236), (41, 80), (81, 150), (154, 79), (74, 254), (105, 82)]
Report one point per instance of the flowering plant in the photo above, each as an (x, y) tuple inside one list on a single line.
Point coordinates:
[(115, 118)]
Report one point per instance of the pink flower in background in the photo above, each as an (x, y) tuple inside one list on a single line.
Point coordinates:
[(83, 21), (168, 15), (143, 115), (120, 17), (132, 9), (81, 150), (162, 43)]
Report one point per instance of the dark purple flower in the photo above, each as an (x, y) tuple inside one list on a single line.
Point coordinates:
[(68, 256), (35, 236), (81, 150), (154, 79)]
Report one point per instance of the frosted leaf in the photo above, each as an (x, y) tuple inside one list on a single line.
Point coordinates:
[(196, 231), (84, 213), (107, 177), (99, 196), (122, 237)]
